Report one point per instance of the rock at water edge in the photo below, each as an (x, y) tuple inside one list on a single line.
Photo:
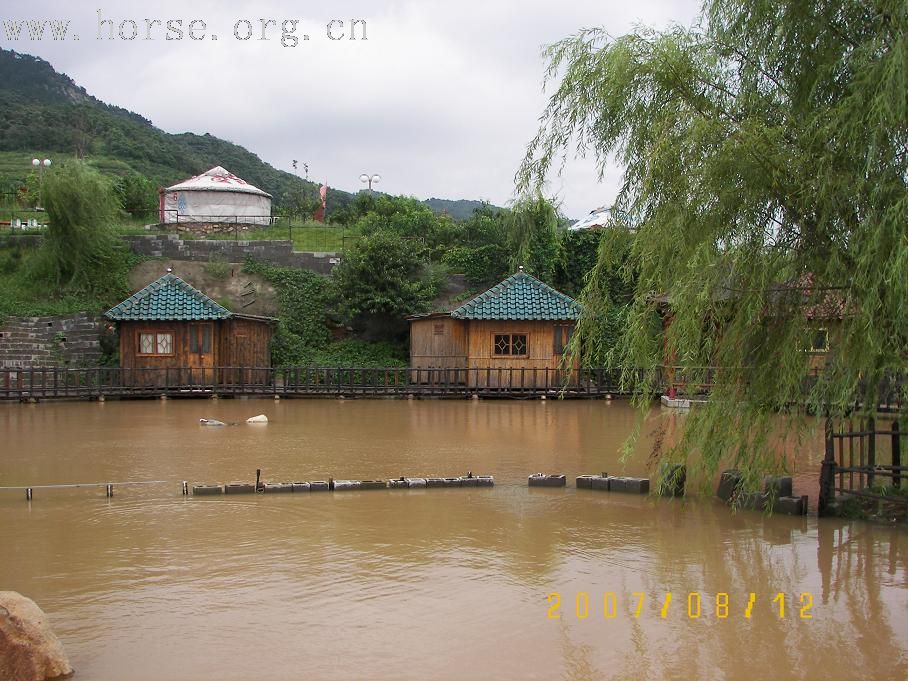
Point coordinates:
[(29, 650)]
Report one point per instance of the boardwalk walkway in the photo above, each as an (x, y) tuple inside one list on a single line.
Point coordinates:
[(113, 382)]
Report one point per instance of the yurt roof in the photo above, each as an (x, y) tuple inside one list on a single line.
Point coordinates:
[(217, 179), (597, 218)]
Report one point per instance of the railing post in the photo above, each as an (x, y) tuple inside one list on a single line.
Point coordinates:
[(827, 473), (896, 456), (871, 452)]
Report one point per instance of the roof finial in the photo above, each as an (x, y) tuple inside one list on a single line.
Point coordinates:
[(169, 270), (520, 268)]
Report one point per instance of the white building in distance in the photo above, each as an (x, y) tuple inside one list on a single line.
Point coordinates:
[(215, 196)]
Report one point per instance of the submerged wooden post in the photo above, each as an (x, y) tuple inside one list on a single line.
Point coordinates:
[(896, 456), (871, 452), (827, 473)]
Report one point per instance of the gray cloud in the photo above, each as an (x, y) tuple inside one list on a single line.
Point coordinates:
[(441, 100)]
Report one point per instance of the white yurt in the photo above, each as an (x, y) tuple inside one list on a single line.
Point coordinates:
[(215, 196), (597, 218)]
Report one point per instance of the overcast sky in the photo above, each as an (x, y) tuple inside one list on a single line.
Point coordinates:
[(441, 99)]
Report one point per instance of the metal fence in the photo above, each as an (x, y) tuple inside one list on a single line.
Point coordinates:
[(18, 220), (305, 235)]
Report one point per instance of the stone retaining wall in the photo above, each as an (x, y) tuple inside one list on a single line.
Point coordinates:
[(64, 340), (278, 253)]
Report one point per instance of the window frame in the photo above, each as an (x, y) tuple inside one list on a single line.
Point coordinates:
[(814, 332), (562, 335), (510, 344), (155, 333)]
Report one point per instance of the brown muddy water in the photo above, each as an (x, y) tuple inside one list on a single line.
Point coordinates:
[(422, 584)]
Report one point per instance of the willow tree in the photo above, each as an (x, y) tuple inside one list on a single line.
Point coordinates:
[(765, 152), (532, 228), (81, 251)]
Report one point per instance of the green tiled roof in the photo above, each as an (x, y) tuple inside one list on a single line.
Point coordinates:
[(520, 296), (168, 298)]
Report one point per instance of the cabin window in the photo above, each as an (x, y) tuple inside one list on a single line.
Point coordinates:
[(439, 329), (155, 343), (510, 344), (563, 334), (819, 340), (200, 338)]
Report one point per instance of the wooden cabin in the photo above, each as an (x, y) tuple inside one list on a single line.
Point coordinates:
[(172, 334), (514, 335), (822, 312)]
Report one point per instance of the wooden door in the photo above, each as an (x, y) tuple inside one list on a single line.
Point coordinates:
[(201, 352)]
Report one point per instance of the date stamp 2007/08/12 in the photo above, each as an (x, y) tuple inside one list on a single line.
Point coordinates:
[(692, 605)]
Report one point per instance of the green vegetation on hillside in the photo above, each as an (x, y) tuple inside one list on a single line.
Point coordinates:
[(80, 264), (24, 292), (396, 268), (308, 310)]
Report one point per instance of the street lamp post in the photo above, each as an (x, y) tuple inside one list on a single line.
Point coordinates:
[(370, 180), (40, 165)]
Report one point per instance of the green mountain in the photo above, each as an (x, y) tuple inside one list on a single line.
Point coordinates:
[(44, 113), (459, 209)]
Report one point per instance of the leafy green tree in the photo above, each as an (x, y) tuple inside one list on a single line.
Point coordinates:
[(301, 201), (533, 232), (31, 196), (405, 216), (137, 194), (382, 279), (766, 154), (478, 247), (607, 294), (577, 256), (81, 250)]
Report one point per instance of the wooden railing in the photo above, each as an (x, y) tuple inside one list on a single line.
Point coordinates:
[(93, 382), (50, 383), (862, 459)]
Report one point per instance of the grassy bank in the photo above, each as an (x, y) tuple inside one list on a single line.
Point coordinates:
[(307, 236), (25, 293), (307, 332)]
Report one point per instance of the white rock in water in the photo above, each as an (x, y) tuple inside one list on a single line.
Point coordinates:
[(261, 418), (211, 422)]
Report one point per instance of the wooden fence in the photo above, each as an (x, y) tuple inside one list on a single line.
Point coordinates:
[(55, 383), (862, 459)]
